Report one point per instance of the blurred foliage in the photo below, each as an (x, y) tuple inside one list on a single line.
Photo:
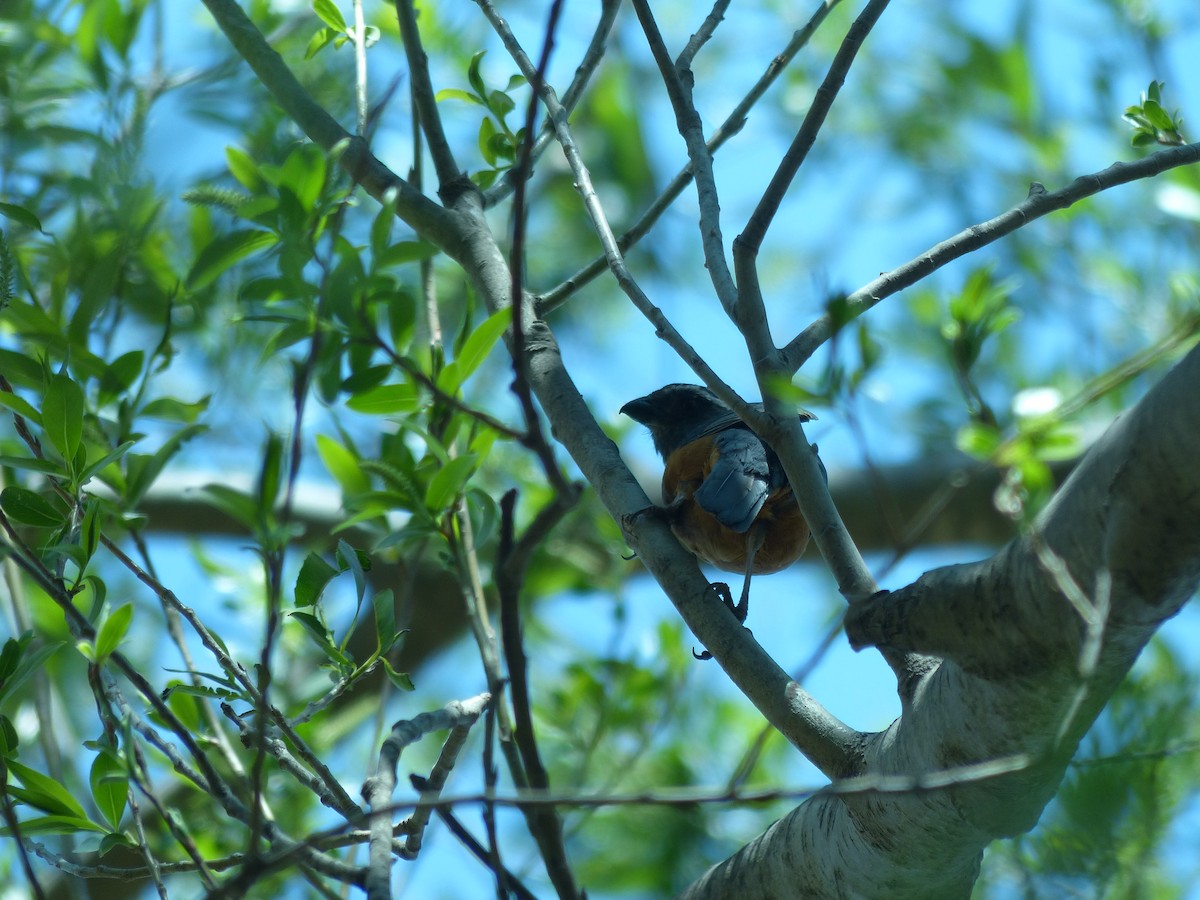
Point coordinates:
[(181, 273)]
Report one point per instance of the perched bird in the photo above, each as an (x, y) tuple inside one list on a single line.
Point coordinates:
[(727, 497)]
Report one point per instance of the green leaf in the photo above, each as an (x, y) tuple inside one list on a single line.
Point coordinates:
[(20, 406), (29, 507), (86, 472), (447, 481), (19, 662), (224, 252), (62, 415), (120, 374), (458, 94), (343, 465), (22, 215), (10, 741), (112, 631), (383, 604), (143, 470), (321, 637), (481, 342), (53, 824), (352, 560), (487, 131), (315, 575), (173, 410), (329, 14), (405, 252), (399, 679), (233, 503), (303, 173), (110, 787), (43, 792), (90, 532), (243, 167), (270, 476), (321, 39), (473, 76), (386, 399)]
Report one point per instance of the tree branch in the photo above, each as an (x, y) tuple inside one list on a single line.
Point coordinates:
[(552, 299), (1013, 683), (428, 219), (448, 172), (1037, 204)]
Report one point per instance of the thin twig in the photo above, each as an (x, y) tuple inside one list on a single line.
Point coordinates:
[(545, 825), (806, 136), (587, 190), (733, 124), (1037, 204), (444, 164), (592, 58), (702, 36), (510, 881), (687, 120)]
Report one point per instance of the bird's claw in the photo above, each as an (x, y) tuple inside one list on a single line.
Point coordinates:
[(739, 610)]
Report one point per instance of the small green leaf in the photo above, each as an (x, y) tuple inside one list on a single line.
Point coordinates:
[(321, 39), (62, 415), (224, 252), (383, 604), (270, 475), (473, 76), (386, 399), (173, 410), (112, 631), (233, 503), (20, 214), (29, 507), (405, 252), (90, 532), (43, 792), (350, 559), (322, 638), (120, 374), (343, 465), (110, 787), (329, 14), (53, 824), (487, 131), (315, 575), (481, 342), (243, 167), (399, 679), (20, 406), (142, 470), (447, 481), (457, 94)]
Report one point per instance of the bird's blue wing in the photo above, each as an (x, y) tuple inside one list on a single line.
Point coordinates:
[(739, 481)]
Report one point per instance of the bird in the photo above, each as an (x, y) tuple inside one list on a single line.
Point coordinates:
[(727, 498)]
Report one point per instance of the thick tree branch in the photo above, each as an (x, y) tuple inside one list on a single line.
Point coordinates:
[(1016, 680)]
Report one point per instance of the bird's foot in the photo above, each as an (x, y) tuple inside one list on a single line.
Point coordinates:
[(739, 610)]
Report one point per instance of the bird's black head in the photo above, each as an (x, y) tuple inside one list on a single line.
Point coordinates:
[(677, 414)]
